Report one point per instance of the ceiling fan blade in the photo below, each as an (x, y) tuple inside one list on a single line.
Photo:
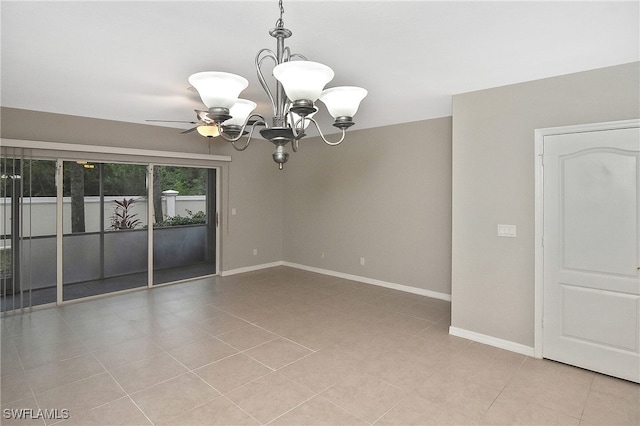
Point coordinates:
[(188, 130), (204, 118), (173, 121)]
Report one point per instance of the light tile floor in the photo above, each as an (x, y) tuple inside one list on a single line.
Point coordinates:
[(288, 347)]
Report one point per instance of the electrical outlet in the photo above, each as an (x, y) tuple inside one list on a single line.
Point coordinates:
[(255, 252), (362, 261), (322, 255)]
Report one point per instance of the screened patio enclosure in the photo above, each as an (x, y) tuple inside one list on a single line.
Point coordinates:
[(71, 229)]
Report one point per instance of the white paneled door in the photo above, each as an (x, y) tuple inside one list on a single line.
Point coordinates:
[(591, 245)]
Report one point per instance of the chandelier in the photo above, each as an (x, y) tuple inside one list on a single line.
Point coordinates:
[(299, 83)]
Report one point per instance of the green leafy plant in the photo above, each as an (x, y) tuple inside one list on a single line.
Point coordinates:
[(191, 219), (122, 217)]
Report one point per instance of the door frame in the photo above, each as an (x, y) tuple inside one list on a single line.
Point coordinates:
[(540, 134)]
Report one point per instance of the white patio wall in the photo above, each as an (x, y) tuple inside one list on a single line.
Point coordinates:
[(39, 213)]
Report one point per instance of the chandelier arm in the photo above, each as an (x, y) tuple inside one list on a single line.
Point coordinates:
[(263, 82), (260, 122), (299, 56), (344, 132), (294, 145), (246, 145), (298, 132)]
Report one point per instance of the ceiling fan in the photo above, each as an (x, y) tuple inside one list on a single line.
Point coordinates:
[(203, 120), (205, 125)]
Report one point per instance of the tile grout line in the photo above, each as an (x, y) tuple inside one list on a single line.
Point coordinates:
[(242, 409), (123, 390), (64, 320), (505, 385), (282, 337), (33, 393), (126, 394), (293, 362), (291, 409), (211, 363), (222, 395), (343, 408), (584, 407), (389, 410), (165, 351)]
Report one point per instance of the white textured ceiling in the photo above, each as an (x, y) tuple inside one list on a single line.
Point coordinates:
[(129, 61)]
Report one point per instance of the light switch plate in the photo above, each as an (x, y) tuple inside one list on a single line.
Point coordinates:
[(507, 231)]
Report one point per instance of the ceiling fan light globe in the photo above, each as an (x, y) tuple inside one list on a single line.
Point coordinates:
[(218, 89), (209, 131), (343, 101), (303, 80)]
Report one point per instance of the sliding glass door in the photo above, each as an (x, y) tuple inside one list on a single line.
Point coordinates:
[(104, 228), (28, 248), (185, 225), (91, 234)]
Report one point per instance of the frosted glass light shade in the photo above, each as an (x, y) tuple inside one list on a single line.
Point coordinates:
[(218, 89), (303, 79), (239, 112), (209, 131), (343, 101)]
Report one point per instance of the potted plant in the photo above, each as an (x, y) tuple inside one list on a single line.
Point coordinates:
[(122, 217)]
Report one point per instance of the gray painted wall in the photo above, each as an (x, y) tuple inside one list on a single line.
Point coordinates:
[(493, 183), (384, 194)]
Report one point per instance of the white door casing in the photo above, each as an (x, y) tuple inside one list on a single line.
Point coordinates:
[(589, 248)]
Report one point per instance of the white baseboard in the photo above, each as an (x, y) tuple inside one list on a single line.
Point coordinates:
[(401, 287), (250, 268), (492, 341)]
